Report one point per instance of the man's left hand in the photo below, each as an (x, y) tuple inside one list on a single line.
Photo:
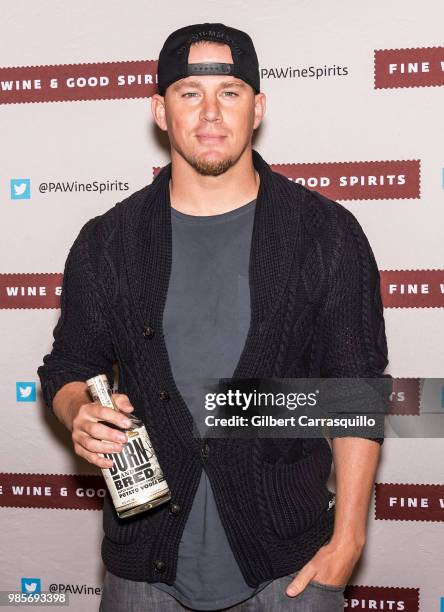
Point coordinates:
[(332, 565)]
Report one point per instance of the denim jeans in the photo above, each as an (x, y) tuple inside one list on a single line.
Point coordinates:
[(121, 595)]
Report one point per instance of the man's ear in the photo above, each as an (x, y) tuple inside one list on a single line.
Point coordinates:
[(259, 109), (158, 111)]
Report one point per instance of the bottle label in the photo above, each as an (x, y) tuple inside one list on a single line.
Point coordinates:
[(136, 476)]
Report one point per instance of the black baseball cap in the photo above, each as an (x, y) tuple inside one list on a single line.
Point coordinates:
[(173, 59)]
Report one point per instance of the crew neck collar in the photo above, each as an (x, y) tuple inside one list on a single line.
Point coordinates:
[(212, 219)]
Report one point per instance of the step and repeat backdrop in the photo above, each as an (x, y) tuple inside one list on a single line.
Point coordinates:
[(354, 110)]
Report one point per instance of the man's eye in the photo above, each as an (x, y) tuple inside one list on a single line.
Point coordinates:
[(231, 93), (189, 94)]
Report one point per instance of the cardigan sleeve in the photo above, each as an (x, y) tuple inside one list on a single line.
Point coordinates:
[(82, 345), (353, 335)]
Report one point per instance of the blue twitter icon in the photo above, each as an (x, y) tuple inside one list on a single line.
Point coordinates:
[(20, 189), (25, 391), (31, 585)]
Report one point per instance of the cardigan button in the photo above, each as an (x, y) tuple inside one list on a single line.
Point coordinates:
[(174, 508), (205, 449), (164, 396), (159, 566), (148, 331)]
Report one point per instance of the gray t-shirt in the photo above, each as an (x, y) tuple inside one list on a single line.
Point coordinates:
[(206, 321)]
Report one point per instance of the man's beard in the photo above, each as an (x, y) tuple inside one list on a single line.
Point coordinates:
[(210, 168)]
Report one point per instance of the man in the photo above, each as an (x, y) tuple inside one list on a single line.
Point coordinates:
[(160, 285)]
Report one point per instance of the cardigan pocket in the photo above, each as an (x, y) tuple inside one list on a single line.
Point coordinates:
[(295, 494)]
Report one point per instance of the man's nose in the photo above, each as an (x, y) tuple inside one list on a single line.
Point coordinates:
[(210, 110)]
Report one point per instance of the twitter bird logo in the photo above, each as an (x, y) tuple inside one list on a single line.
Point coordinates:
[(31, 585), (25, 391), (20, 189)]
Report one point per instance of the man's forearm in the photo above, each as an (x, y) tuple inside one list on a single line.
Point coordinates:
[(356, 461), (68, 400)]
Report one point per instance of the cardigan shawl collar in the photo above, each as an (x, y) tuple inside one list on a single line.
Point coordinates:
[(148, 248)]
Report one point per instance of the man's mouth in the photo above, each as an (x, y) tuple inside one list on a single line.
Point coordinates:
[(210, 138)]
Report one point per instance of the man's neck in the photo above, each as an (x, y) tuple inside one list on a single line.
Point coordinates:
[(195, 194)]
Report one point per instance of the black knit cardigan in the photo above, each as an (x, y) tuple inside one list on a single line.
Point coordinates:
[(316, 311)]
